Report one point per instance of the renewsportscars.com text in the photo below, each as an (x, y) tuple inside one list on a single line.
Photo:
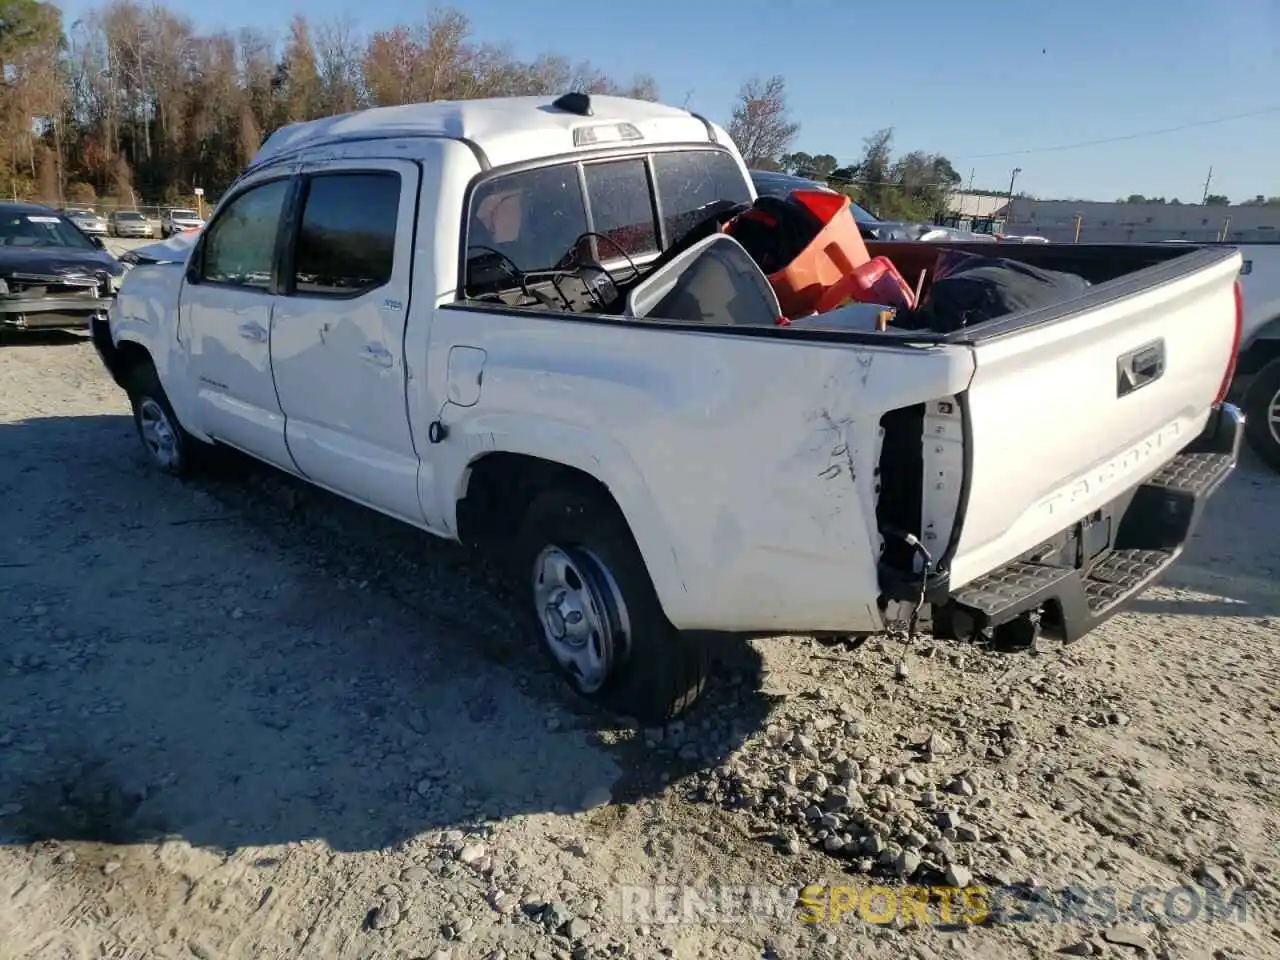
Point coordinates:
[(931, 905)]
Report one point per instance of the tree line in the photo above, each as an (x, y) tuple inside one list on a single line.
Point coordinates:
[(132, 104), (1210, 200)]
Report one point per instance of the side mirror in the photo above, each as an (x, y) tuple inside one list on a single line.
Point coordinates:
[(97, 241)]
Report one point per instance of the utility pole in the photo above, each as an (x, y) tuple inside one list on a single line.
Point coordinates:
[(1008, 211), (1207, 180)]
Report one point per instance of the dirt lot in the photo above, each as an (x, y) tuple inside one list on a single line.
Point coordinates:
[(244, 719)]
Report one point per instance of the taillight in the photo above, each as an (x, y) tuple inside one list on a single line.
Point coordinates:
[(1235, 345)]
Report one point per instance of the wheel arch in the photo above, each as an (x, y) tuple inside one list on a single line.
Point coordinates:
[(497, 486), (1263, 348)]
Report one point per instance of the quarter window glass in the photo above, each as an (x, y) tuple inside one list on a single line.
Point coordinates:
[(621, 208), (240, 245), (690, 180), (347, 239)]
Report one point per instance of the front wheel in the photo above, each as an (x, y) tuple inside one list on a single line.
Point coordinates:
[(168, 447), (1262, 414), (595, 611)]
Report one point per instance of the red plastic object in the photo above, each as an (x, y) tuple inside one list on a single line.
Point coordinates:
[(876, 281), (835, 253), (1230, 374)]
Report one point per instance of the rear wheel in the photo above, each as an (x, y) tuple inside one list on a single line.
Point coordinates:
[(1262, 414), (595, 611)]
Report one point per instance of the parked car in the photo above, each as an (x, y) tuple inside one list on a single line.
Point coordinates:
[(52, 276), (1257, 380), (773, 184), (179, 221), (663, 461), (130, 223), (89, 221)]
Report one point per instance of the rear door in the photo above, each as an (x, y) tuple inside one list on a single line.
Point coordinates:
[(337, 333), (1066, 414)]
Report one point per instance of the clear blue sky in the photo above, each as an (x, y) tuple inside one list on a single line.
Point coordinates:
[(965, 79)]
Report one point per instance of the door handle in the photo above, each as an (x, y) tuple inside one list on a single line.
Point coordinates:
[(378, 356), (1138, 368), (254, 331)]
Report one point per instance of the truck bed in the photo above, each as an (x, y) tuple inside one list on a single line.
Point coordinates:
[(985, 445), (1115, 269)]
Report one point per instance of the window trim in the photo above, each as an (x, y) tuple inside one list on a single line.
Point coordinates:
[(577, 159), (293, 230), (195, 265)]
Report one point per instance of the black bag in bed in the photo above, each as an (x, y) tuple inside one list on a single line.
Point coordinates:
[(968, 289)]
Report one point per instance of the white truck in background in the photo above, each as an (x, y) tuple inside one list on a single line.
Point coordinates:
[(404, 306)]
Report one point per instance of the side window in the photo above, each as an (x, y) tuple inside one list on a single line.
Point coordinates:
[(689, 180), (530, 219), (347, 238), (621, 208), (239, 246)]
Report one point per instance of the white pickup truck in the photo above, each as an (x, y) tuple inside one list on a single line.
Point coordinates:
[(363, 311)]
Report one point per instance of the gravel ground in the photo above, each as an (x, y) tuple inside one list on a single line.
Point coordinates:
[(242, 718)]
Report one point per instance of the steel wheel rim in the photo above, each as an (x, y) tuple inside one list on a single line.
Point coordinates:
[(158, 434), (583, 616)]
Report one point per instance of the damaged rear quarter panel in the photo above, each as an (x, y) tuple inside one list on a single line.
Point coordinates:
[(745, 466)]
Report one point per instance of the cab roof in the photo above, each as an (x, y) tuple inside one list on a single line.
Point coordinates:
[(504, 129)]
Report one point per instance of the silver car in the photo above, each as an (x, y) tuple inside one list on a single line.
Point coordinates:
[(89, 221), (130, 223), (180, 221)]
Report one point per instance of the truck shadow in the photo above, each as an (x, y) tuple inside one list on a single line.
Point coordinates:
[(41, 338), (1231, 568), (249, 661)]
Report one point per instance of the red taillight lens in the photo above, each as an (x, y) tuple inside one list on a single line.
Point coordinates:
[(1235, 345)]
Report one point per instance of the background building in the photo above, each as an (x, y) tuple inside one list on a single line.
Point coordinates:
[(1119, 222)]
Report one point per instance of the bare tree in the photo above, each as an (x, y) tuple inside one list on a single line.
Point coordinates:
[(761, 125), (300, 76), (338, 66), (250, 137)]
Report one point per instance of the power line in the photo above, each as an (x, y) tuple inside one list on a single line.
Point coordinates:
[(1120, 139), (851, 161)]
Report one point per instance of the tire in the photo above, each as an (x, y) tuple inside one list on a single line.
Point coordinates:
[(168, 447), (1262, 415), (579, 567)]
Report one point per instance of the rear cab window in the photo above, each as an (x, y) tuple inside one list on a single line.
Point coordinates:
[(613, 210)]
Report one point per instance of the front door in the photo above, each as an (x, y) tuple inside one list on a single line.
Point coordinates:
[(337, 333), (226, 309)]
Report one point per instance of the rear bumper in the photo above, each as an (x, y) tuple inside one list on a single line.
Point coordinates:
[(1093, 569)]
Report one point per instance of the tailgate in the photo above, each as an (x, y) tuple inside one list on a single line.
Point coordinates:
[(1068, 411)]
